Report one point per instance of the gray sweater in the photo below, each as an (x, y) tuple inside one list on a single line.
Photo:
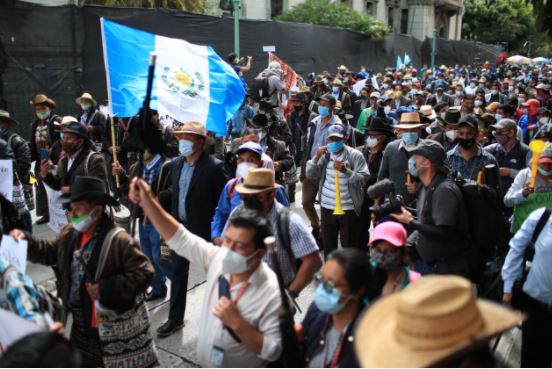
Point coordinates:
[(357, 174)]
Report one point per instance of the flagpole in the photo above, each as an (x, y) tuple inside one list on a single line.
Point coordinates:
[(237, 27)]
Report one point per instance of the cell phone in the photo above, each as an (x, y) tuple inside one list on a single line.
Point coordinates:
[(43, 154)]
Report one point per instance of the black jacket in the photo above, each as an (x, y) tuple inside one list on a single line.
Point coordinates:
[(207, 183), (97, 120), (53, 134), (22, 154)]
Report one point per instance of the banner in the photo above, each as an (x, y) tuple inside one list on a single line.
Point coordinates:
[(292, 81), (534, 201), (15, 252), (6, 179), (58, 218)]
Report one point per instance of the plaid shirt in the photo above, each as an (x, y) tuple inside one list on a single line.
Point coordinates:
[(18, 294), (469, 169)]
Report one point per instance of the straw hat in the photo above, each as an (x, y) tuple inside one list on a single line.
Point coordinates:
[(428, 112), (410, 121), (195, 128), (430, 320), (337, 82), (65, 121), (5, 117), (86, 97), (257, 181), (42, 99)]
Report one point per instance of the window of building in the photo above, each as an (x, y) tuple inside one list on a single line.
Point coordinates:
[(276, 7), (404, 20), (390, 20), (369, 7)]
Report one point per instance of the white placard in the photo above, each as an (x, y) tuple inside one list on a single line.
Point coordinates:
[(13, 327), (6, 179), (15, 252), (58, 217), (269, 48)]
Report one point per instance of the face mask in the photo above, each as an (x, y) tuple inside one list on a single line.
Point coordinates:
[(412, 168), (498, 117), (466, 143), (324, 111), (371, 141), (546, 173), (185, 147), (335, 89), (501, 139), (86, 106), (521, 100), (233, 263), (243, 169), (384, 260), (81, 224), (43, 115), (494, 92), (409, 138), (363, 97), (451, 135), (386, 109), (61, 135), (298, 107), (458, 93), (328, 302), (472, 85), (543, 120), (2, 131), (510, 88), (481, 85), (334, 147), (253, 203), (386, 86)]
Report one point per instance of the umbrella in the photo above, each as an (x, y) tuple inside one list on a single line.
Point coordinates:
[(520, 59), (540, 59)]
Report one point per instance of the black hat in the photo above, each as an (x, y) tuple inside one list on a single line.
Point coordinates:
[(77, 129), (89, 189), (263, 105), (379, 124), (468, 120), (300, 97), (433, 151), (260, 121), (327, 97), (452, 116)]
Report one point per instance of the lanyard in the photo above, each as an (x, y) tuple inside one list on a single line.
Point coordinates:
[(241, 292), (338, 350)]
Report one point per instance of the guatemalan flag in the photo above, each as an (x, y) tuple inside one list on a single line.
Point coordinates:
[(191, 82)]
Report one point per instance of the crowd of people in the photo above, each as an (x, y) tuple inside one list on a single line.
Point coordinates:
[(408, 179)]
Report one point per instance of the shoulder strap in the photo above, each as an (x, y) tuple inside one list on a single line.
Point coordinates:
[(232, 188), (540, 226), (283, 234), (106, 246), (86, 160)]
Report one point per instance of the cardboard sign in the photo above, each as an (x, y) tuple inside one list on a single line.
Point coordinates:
[(534, 201), (15, 252), (6, 179), (58, 217), (269, 48)]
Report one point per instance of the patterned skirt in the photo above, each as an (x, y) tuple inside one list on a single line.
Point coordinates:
[(87, 342)]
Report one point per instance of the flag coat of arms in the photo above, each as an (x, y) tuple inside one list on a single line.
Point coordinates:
[(191, 82)]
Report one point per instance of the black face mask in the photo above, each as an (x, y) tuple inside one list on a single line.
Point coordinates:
[(298, 107), (253, 203), (466, 143)]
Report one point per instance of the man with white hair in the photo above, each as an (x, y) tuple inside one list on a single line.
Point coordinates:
[(273, 74)]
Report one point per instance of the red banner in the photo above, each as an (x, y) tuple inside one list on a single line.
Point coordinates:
[(292, 80)]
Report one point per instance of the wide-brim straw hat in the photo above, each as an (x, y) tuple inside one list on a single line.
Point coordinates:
[(410, 121), (87, 97), (436, 318), (194, 128), (5, 117), (257, 181), (42, 99)]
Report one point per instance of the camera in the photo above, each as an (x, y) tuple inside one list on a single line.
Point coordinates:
[(392, 202), (243, 61)]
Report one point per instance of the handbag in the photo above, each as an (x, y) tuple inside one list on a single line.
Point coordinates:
[(125, 337)]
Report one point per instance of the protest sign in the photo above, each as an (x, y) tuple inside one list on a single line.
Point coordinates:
[(13, 328), (15, 252), (534, 201), (58, 218), (292, 80), (6, 179)]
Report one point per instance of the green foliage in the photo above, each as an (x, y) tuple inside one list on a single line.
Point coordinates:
[(334, 14), (182, 5), (494, 21)]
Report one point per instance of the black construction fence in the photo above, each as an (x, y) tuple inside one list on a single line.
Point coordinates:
[(58, 50)]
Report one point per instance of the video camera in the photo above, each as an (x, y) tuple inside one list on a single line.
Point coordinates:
[(392, 202)]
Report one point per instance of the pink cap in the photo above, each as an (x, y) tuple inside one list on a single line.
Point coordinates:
[(392, 232)]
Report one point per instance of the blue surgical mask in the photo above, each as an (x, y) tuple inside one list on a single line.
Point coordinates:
[(185, 147), (324, 111), (334, 147), (498, 117), (2, 131), (409, 138), (328, 302), (86, 106), (412, 168), (335, 89), (61, 135)]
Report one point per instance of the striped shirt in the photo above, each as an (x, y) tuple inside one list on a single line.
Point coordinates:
[(328, 190)]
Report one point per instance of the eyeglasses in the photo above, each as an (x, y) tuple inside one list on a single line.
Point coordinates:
[(326, 285)]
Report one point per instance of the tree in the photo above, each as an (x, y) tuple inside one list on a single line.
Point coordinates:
[(491, 21), (335, 14), (182, 5)]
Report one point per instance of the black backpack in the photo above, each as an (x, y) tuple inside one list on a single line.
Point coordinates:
[(259, 89)]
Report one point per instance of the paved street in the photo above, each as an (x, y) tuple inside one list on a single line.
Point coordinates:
[(178, 350)]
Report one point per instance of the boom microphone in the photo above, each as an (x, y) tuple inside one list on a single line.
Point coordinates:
[(380, 188)]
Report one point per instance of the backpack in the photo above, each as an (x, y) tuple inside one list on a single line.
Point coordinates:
[(259, 89)]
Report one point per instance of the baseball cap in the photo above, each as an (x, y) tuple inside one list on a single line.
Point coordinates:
[(375, 94), (505, 124), (250, 146), (468, 120), (392, 232), (546, 155), (336, 130), (327, 97)]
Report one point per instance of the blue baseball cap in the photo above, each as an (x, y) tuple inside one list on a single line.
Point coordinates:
[(336, 130), (250, 146)]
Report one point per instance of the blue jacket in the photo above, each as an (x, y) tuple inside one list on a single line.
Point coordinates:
[(229, 199), (315, 325), (525, 122)]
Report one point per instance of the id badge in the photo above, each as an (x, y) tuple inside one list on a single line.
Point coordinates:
[(217, 356)]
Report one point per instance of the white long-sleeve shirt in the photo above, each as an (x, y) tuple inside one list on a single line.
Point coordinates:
[(260, 305)]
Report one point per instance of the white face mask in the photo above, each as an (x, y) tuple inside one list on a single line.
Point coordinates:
[(543, 120), (81, 224), (243, 168), (86, 106), (451, 135), (386, 109), (477, 103), (371, 141), (234, 263)]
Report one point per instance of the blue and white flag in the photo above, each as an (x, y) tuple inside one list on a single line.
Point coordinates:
[(407, 59), (399, 63), (191, 82)]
